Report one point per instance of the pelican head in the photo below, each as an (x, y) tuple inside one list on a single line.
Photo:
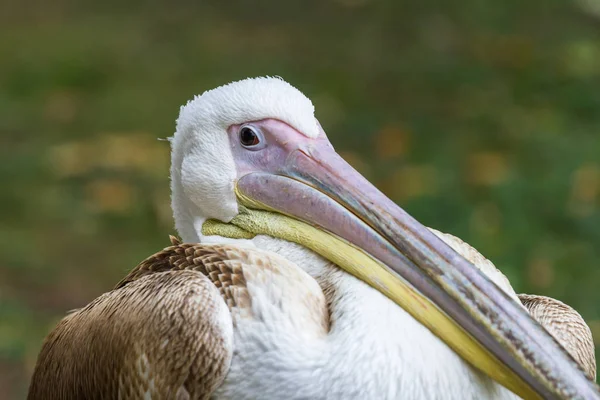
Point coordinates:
[(208, 156), (251, 154)]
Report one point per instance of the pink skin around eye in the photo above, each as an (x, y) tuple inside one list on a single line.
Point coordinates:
[(281, 139)]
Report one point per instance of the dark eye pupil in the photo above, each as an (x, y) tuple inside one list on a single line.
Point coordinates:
[(248, 137)]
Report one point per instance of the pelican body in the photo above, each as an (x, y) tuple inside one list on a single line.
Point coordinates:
[(297, 279)]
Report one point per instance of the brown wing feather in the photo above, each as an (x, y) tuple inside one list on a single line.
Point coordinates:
[(567, 326), (165, 332)]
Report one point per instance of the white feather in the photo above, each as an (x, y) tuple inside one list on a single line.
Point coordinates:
[(374, 350)]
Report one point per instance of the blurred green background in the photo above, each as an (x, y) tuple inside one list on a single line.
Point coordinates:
[(481, 118)]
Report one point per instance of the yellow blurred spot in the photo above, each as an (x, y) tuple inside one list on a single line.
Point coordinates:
[(391, 142), (487, 168), (70, 159), (110, 195), (412, 181), (585, 190), (541, 272), (136, 151)]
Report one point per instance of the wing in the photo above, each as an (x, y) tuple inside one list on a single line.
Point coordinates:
[(567, 327), (164, 332)]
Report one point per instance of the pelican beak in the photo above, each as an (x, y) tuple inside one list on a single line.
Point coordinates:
[(339, 214)]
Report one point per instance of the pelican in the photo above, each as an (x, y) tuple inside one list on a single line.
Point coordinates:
[(297, 279)]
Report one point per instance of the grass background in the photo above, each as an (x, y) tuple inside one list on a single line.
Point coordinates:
[(481, 118)]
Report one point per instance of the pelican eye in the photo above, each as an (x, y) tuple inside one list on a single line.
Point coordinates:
[(249, 137)]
